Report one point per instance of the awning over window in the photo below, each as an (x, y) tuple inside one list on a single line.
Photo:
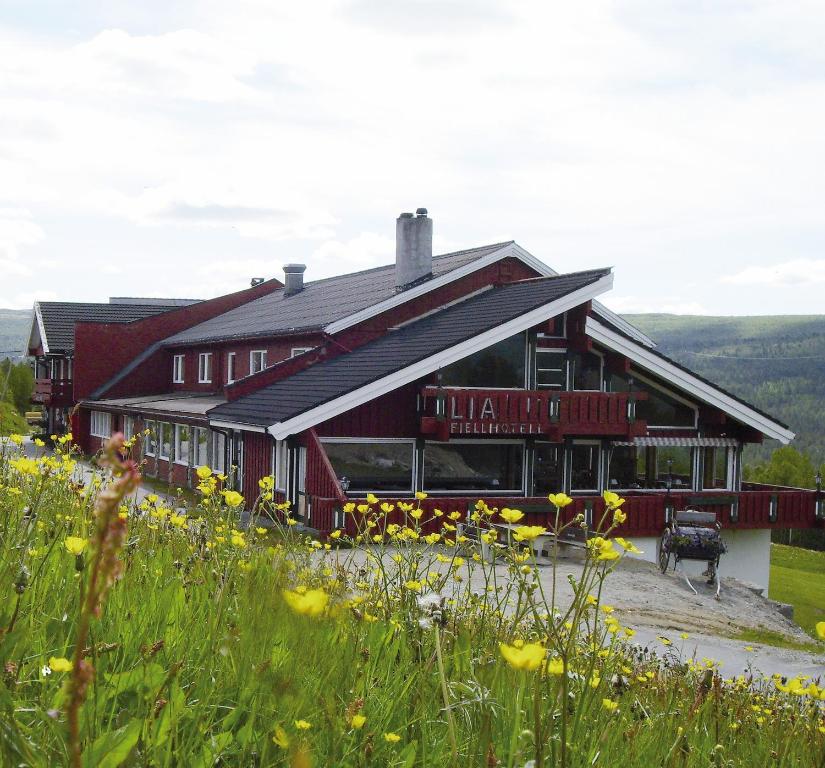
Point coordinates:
[(688, 442)]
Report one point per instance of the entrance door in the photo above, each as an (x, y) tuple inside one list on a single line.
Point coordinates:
[(296, 493)]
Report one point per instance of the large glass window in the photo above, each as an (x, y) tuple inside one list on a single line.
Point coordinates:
[(373, 465), (200, 442), (633, 467), (548, 469), (166, 436), (715, 467), (501, 365), (586, 370), (181, 444), (584, 466), (551, 369), (457, 466), (219, 452), (659, 409), (151, 440)]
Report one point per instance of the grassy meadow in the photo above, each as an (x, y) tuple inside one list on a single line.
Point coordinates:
[(150, 636), (798, 578)]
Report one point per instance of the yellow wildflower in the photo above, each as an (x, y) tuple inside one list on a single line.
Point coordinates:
[(60, 664), (555, 667), (417, 514), (280, 737), (372, 498), (233, 498), (203, 472), (413, 586), (75, 545), (627, 546), (358, 721), (510, 515), (559, 500), (612, 499), (312, 602), (820, 629), (528, 532), (335, 534), (420, 495), (392, 738), (610, 705), (528, 656), (303, 725)]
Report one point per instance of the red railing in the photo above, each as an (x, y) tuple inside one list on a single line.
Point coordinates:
[(55, 392), (789, 508), (452, 411), (324, 492)]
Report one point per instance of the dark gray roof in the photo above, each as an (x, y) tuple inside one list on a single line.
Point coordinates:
[(59, 318), (398, 349), (320, 302)]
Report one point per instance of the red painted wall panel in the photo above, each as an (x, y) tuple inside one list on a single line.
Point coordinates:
[(257, 463)]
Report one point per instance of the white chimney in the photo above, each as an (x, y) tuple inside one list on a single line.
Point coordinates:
[(413, 248), (293, 278)]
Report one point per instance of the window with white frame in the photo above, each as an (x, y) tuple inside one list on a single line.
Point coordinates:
[(488, 466), (281, 464), (200, 444), (182, 433), (586, 371), (101, 424), (178, 369), (373, 465), (257, 360), (551, 369), (716, 467), (205, 368), (151, 443), (128, 427), (166, 437), (219, 452), (585, 464), (230, 367), (295, 351)]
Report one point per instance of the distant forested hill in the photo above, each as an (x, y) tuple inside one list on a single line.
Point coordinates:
[(775, 362), (14, 326)]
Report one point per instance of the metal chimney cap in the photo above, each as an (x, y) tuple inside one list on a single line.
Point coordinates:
[(292, 269), (405, 216), (420, 211)]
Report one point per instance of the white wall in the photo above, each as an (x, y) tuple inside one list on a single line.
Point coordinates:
[(748, 557)]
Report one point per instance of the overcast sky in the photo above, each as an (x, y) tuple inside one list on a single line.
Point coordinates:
[(156, 148)]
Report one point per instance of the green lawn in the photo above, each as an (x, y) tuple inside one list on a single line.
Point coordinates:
[(798, 578)]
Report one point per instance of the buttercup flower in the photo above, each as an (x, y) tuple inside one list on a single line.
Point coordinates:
[(358, 721), (303, 725), (280, 737), (612, 499), (312, 602), (528, 657), (75, 545), (559, 500), (528, 532), (628, 546), (203, 472), (820, 630), (233, 498), (392, 738), (510, 515), (60, 664), (610, 705)]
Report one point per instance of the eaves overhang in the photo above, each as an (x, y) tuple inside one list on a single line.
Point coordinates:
[(688, 382)]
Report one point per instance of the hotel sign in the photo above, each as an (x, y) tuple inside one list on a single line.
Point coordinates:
[(505, 413)]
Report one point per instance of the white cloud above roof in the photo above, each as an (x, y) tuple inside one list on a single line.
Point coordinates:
[(657, 137)]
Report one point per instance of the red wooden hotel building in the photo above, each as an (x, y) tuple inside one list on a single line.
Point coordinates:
[(475, 374)]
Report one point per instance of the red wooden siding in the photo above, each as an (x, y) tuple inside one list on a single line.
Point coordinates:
[(392, 415), (257, 463), (322, 485)]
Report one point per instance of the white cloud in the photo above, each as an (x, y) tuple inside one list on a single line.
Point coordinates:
[(25, 299), (644, 135), (17, 230), (798, 272)]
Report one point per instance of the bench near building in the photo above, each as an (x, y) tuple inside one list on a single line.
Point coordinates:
[(475, 374)]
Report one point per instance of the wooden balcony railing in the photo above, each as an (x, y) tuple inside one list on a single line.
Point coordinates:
[(52, 392), (448, 411), (646, 512)]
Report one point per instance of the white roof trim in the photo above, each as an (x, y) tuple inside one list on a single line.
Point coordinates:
[(415, 371), (687, 382), (235, 425), (418, 290), (38, 318)]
